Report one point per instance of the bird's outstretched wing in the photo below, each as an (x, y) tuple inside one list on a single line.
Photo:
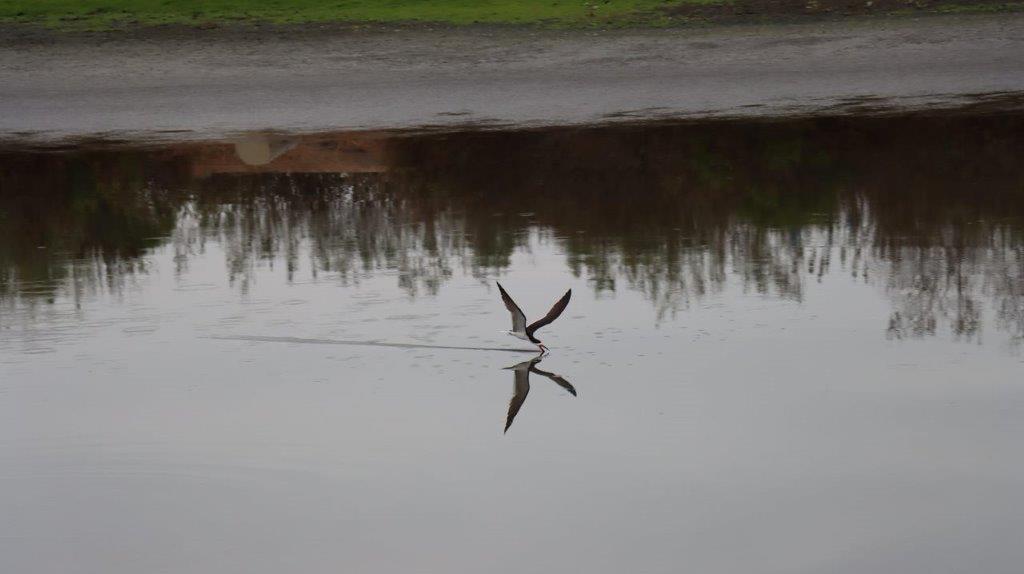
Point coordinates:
[(553, 314), (518, 317), (558, 380), (522, 388)]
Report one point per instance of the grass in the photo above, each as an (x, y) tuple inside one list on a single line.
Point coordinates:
[(108, 14), (101, 14)]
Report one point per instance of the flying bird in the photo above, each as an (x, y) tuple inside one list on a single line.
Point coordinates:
[(522, 385), (520, 329)]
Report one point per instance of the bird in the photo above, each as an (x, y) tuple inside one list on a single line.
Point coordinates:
[(520, 329), (522, 385)]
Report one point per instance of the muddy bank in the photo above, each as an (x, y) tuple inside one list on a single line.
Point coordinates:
[(747, 10), (211, 86)]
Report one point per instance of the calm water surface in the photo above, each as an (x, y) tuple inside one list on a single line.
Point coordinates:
[(794, 347)]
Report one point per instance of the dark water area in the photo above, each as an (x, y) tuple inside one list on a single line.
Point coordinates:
[(800, 338), (928, 209)]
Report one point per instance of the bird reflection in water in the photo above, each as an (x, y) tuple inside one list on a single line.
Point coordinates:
[(521, 372)]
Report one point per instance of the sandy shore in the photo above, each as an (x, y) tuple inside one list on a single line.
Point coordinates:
[(217, 83)]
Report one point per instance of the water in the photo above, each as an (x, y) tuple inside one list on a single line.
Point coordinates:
[(795, 346)]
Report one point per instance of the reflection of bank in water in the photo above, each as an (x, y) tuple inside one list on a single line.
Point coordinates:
[(362, 152), (261, 149), (928, 208)]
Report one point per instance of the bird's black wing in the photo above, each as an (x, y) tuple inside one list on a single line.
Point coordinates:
[(557, 379), (522, 388), (518, 317), (553, 314)]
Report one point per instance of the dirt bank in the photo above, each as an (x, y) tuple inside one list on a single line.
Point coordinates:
[(747, 10), (188, 86)]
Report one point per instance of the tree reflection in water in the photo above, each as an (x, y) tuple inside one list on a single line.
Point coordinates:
[(927, 207)]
